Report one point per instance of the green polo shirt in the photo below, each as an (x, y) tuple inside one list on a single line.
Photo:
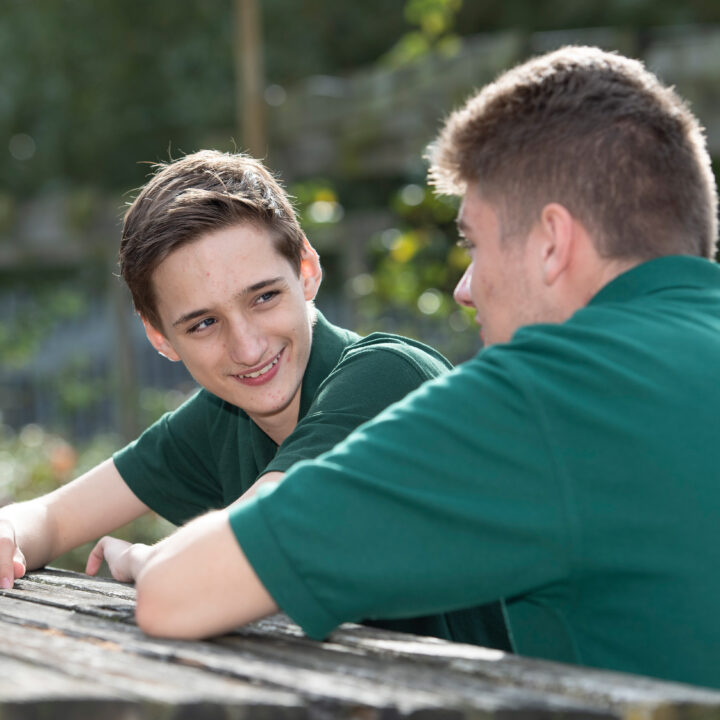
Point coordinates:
[(574, 472)]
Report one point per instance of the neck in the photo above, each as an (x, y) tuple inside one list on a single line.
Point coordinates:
[(583, 282), (605, 273), (279, 426)]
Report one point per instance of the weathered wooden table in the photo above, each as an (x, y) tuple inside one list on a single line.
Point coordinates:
[(69, 649)]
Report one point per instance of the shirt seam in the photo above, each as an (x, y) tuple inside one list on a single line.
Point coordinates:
[(395, 352)]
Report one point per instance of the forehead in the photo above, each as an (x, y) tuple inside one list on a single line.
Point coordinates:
[(249, 237), (234, 255), (248, 243)]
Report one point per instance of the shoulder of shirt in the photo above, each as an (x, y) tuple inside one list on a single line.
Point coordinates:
[(589, 328), (413, 351)]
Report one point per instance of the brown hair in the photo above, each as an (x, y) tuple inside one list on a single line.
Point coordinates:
[(597, 133), (195, 195)]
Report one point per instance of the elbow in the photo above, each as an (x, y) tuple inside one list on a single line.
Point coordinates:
[(148, 607), (156, 611)]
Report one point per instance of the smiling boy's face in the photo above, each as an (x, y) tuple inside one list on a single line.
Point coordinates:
[(236, 313)]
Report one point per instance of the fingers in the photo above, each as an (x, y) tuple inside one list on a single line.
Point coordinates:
[(96, 557), (19, 563), (7, 555), (113, 552)]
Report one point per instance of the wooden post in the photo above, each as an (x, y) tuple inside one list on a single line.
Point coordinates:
[(249, 77), (125, 379)]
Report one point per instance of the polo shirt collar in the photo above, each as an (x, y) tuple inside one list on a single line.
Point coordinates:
[(328, 344), (671, 271)]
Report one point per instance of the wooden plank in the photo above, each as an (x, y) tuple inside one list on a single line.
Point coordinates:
[(56, 577), (324, 681), (606, 688), (100, 668), (314, 671)]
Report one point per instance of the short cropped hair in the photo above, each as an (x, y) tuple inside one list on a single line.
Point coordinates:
[(195, 195), (597, 133)]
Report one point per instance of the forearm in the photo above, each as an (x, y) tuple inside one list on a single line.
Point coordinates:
[(200, 560), (35, 531), (126, 560)]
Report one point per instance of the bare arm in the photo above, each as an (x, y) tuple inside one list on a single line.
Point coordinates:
[(270, 477), (201, 560), (35, 532), (125, 560)]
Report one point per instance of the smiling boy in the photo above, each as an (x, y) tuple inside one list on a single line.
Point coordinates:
[(224, 280)]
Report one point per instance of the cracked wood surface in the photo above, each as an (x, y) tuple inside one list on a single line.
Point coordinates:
[(70, 649)]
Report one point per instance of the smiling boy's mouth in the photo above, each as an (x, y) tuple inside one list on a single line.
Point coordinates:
[(260, 372)]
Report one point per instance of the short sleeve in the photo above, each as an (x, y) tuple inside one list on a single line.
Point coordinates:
[(446, 500), (171, 467), (367, 379)]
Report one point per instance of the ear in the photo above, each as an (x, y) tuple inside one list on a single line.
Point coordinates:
[(159, 341), (557, 241), (310, 270)]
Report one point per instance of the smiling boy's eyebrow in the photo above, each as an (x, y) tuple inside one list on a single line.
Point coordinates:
[(260, 285), (190, 316), (194, 314)]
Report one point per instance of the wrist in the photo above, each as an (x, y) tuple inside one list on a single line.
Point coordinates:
[(138, 556)]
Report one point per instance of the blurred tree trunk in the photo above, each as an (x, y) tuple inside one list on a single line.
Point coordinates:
[(249, 80), (125, 380)]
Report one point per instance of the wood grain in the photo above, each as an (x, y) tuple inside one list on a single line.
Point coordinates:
[(70, 649)]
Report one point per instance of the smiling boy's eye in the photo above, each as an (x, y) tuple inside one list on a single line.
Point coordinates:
[(206, 323), (267, 296)]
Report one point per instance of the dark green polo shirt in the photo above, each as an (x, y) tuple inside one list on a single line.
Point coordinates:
[(574, 472)]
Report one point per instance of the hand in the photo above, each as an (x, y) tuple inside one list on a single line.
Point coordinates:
[(12, 560), (123, 558)]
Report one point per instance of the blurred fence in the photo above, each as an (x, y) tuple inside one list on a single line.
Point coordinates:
[(88, 377)]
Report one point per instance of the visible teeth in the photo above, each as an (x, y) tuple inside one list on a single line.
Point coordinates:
[(262, 371)]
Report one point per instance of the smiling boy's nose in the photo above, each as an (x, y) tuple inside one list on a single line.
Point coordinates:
[(245, 345)]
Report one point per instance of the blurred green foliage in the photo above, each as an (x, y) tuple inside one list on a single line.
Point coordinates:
[(87, 81), (38, 310), (316, 202), (538, 15), (434, 20), (90, 89), (414, 266)]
